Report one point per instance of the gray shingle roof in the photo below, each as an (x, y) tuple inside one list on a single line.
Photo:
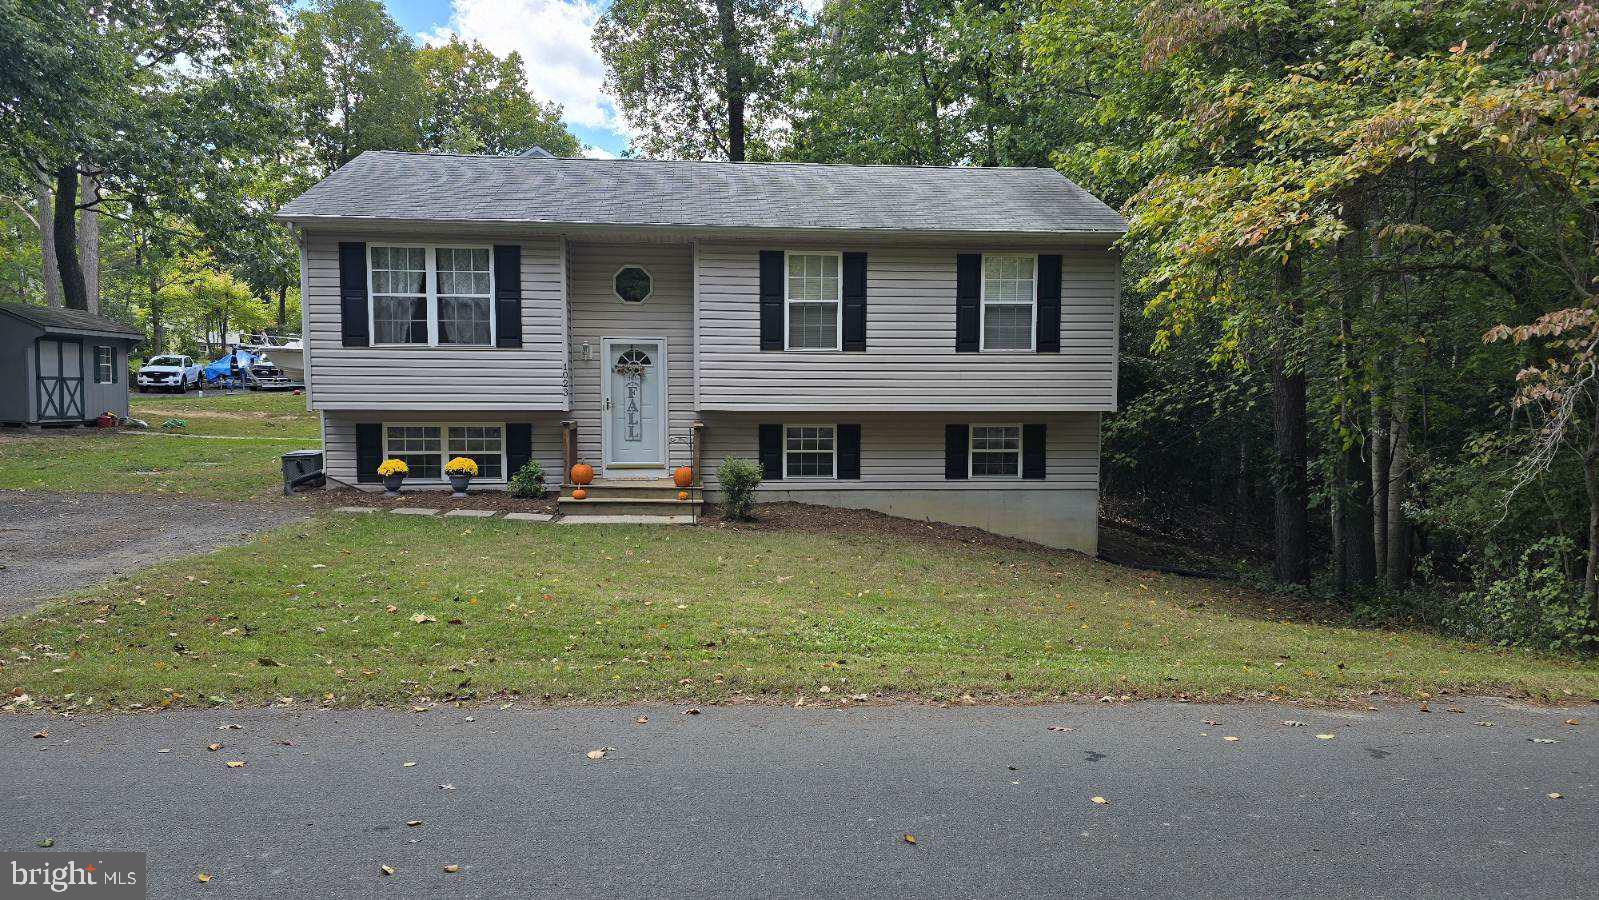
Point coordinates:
[(60, 319), (710, 195)]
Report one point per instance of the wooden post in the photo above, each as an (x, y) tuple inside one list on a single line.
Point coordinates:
[(568, 451), (697, 449)]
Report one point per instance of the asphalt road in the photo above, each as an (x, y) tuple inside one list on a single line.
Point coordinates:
[(53, 542), (773, 801)]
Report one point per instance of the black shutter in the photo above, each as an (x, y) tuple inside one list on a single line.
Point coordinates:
[(855, 302), (1049, 304), (957, 439), (1033, 447), (772, 452), (507, 295), (968, 298), (771, 299), (518, 446), (353, 321), (368, 451), (849, 452)]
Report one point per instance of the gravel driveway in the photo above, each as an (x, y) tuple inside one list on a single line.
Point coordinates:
[(52, 543)]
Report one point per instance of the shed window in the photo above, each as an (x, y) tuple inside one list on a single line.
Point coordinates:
[(813, 300), (996, 451), (432, 296), (810, 451), (105, 365), (1009, 292)]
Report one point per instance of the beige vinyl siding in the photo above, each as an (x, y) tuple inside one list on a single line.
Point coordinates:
[(597, 313), (906, 451), (338, 437), (910, 363), (531, 377)]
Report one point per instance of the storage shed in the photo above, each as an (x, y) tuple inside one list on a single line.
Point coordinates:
[(61, 366)]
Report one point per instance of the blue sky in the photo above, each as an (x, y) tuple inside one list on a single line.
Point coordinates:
[(553, 38)]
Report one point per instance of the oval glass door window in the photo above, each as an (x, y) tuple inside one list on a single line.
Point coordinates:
[(633, 284)]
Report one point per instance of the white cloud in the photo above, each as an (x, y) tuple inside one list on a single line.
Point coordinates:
[(593, 152), (554, 38)]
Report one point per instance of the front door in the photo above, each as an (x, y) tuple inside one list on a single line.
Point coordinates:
[(60, 380), (634, 402)]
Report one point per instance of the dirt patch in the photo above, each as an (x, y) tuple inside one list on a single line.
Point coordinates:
[(52, 543), (178, 412), (498, 501)]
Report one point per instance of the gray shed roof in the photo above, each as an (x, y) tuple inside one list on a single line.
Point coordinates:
[(60, 319), (425, 187)]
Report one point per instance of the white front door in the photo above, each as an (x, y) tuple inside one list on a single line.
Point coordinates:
[(634, 402)]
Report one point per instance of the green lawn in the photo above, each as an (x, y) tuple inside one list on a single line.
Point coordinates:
[(611, 613), (228, 449)]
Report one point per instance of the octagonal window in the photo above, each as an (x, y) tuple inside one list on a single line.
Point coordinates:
[(633, 284)]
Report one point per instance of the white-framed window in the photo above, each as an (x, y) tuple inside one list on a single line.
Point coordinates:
[(995, 451), (427, 295), (105, 365), (1010, 292), (810, 451), (425, 448), (813, 300)]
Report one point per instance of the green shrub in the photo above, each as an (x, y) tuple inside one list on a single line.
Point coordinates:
[(1536, 604), (739, 478), (528, 481)]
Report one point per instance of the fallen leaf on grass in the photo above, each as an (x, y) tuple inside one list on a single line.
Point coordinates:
[(48, 842), (421, 618), (235, 763), (268, 662)]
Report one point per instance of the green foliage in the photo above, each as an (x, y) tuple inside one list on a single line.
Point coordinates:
[(1536, 603), (739, 479), (528, 481), (479, 103)]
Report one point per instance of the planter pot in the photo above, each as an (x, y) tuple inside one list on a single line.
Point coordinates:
[(391, 483), (458, 483)]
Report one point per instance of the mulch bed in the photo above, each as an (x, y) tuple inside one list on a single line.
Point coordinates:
[(498, 501)]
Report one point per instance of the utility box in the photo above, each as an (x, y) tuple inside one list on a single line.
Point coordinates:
[(302, 467)]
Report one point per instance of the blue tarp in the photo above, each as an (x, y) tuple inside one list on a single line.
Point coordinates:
[(223, 368)]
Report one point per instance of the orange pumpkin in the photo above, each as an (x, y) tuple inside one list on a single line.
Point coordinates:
[(683, 477), (682, 495), (580, 494), (582, 473)]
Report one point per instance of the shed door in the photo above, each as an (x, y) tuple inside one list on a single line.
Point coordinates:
[(60, 380)]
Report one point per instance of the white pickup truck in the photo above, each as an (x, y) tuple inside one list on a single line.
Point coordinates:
[(169, 373)]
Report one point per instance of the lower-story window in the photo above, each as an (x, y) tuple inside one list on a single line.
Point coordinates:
[(996, 451), (810, 451), (426, 448)]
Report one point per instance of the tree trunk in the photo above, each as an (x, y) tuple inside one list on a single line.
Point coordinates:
[(1291, 512), (733, 67), (283, 307), (1380, 474), (1335, 525), (1354, 492), (1397, 572), (49, 274), (1590, 480), (74, 292), (1241, 498), (89, 242)]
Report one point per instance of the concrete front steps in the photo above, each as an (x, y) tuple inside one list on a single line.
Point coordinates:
[(624, 501)]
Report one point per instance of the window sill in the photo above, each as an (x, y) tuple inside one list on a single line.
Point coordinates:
[(433, 347)]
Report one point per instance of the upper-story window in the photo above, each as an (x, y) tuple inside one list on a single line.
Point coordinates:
[(633, 284), (1009, 292), (813, 300), (432, 296)]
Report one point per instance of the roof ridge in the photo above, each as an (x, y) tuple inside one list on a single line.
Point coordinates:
[(724, 162)]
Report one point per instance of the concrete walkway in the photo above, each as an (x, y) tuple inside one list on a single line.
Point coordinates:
[(781, 802)]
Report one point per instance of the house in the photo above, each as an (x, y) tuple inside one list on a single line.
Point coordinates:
[(935, 343), (61, 366)]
